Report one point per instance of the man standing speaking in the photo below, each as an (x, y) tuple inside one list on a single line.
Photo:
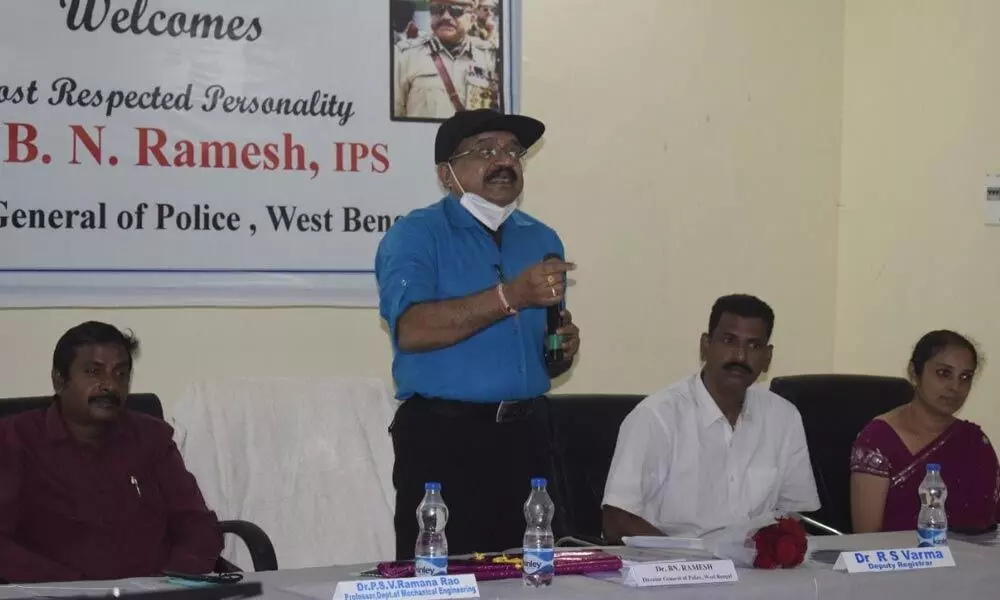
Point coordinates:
[(465, 286)]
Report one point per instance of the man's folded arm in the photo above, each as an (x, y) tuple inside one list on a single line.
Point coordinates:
[(640, 456), (17, 563), (407, 280), (20, 565), (618, 523), (194, 533), (798, 487)]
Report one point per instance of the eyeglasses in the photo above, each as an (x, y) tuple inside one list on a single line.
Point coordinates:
[(455, 11), (491, 152)]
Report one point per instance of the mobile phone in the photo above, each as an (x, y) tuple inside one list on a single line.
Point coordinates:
[(210, 579)]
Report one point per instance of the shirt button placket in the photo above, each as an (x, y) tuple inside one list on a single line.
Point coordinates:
[(733, 491), (519, 349)]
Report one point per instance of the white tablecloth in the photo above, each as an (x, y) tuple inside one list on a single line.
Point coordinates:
[(977, 575)]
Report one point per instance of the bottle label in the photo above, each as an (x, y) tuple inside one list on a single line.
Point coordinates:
[(932, 536), (539, 562), (554, 343), (431, 566)]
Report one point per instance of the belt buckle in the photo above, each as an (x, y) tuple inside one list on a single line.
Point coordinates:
[(513, 408), (500, 408)]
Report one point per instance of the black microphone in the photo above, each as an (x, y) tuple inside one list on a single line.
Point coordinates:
[(553, 321)]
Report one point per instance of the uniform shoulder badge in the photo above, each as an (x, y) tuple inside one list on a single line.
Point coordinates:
[(410, 44), (484, 45)]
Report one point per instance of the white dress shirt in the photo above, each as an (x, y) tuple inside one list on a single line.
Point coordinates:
[(683, 468)]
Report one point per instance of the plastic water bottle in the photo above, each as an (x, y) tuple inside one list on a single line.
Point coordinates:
[(432, 546), (539, 543), (932, 523)]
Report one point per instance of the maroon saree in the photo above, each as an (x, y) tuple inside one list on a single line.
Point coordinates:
[(968, 465)]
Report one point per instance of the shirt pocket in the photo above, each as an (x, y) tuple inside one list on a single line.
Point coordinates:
[(148, 493), (148, 515), (760, 487)]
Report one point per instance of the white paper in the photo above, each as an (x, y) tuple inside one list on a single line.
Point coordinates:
[(664, 542)]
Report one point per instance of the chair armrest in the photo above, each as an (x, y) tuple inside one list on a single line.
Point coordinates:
[(817, 527), (260, 546), (224, 566)]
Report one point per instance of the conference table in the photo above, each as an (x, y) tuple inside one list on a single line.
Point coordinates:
[(976, 575)]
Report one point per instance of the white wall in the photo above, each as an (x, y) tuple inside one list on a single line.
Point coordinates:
[(921, 129)]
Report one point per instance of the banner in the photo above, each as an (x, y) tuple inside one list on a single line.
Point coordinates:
[(233, 152)]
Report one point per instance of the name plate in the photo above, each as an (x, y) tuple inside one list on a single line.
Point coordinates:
[(896, 559), (441, 587), (680, 573)]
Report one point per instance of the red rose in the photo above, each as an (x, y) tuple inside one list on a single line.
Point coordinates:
[(763, 561), (791, 526), (786, 551), (764, 539), (782, 544)]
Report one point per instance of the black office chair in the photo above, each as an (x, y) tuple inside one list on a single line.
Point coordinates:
[(257, 542), (585, 432), (834, 409)]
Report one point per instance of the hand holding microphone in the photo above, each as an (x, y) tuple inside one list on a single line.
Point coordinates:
[(542, 285), (553, 322)]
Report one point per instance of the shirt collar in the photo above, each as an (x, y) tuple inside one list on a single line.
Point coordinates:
[(708, 411), (55, 427), (465, 48), (459, 217)]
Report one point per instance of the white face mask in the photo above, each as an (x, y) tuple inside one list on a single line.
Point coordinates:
[(483, 210)]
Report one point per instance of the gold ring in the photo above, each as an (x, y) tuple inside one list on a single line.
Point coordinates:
[(551, 280)]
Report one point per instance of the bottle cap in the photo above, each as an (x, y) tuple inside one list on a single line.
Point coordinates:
[(933, 467), (539, 482), (432, 486)]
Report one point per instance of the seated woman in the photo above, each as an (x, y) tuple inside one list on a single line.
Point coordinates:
[(890, 455)]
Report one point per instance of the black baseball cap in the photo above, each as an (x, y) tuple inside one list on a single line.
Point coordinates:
[(468, 123)]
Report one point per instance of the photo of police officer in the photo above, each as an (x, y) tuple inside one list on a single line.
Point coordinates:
[(446, 57)]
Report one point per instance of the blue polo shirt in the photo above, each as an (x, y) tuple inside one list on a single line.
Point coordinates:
[(442, 252)]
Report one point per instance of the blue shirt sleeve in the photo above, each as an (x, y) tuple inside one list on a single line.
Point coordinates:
[(405, 269)]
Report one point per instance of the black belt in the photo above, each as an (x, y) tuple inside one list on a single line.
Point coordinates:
[(499, 412)]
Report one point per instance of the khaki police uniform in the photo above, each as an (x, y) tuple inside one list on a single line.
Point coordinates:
[(482, 33), (420, 91)]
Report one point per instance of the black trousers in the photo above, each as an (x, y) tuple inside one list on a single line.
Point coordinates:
[(484, 467)]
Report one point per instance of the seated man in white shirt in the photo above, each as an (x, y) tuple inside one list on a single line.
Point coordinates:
[(713, 449)]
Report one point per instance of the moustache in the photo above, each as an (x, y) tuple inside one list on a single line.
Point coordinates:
[(114, 399), (499, 172), (738, 365)]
